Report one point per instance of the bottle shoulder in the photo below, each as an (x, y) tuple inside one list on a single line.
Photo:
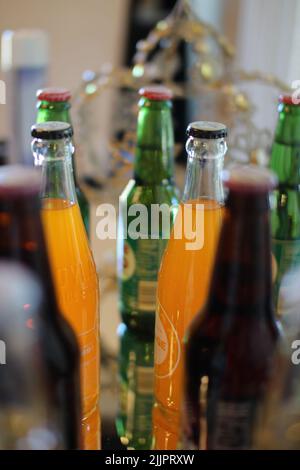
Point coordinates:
[(135, 193)]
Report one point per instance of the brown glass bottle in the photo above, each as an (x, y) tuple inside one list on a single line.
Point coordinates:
[(22, 239), (232, 341)]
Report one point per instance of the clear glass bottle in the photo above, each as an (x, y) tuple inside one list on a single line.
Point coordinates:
[(71, 260), (185, 272)]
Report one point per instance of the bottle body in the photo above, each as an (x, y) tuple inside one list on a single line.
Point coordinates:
[(76, 283), (139, 259), (72, 263), (53, 105), (22, 239), (136, 375), (285, 219), (182, 292), (140, 248), (231, 343)]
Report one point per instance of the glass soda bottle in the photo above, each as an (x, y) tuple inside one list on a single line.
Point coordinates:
[(27, 419), (54, 105), (185, 272), (278, 424), (136, 375), (71, 260), (22, 240), (231, 343), (285, 218), (139, 254)]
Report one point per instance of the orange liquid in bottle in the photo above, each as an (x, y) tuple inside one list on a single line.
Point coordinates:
[(182, 290), (77, 289)]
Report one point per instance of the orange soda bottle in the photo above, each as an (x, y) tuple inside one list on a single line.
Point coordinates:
[(185, 273), (71, 260)]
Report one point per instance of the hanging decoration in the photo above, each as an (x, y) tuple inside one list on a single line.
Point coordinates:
[(214, 80)]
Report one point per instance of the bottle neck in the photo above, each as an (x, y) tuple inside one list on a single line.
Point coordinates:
[(53, 111), (288, 125), (242, 281), (154, 159), (22, 239), (285, 157), (204, 169), (55, 159)]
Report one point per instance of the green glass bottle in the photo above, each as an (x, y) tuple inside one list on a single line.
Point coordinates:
[(136, 376), (54, 105), (140, 246), (285, 218)]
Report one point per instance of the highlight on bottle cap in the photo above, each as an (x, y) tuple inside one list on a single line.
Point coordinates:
[(289, 99), (19, 180), (249, 179), (53, 95), (207, 130), (156, 93), (52, 130)]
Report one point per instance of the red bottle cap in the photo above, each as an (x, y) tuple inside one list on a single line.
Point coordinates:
[(156, 93), (53, 94), (288, 99), (249, 179)]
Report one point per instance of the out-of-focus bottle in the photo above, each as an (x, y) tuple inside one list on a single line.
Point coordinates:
[(54, 105), (71, 260), (24, 61), (185, 272), (285, 218), (22, 239), (27, 418), (140, 248), (231, 344), (136, 375), (278, 423)]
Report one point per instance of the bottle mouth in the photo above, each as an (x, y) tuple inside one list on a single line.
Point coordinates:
[(52, 130), (207, 130), (289, 99), (249, 179), (53, 95), (18, 180), (156, 93)]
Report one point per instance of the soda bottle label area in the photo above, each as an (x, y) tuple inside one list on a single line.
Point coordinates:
[(134, 425), (140, 267), (231, 424), (287, 258)]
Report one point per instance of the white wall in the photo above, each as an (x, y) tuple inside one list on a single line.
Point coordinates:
[(84, 34), (269, 40)]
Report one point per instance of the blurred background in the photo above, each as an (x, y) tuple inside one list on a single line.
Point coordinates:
[(91, 45), (87, 34)]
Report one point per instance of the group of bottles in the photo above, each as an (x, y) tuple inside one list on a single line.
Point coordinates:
[(42, 215), (214, 289)]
